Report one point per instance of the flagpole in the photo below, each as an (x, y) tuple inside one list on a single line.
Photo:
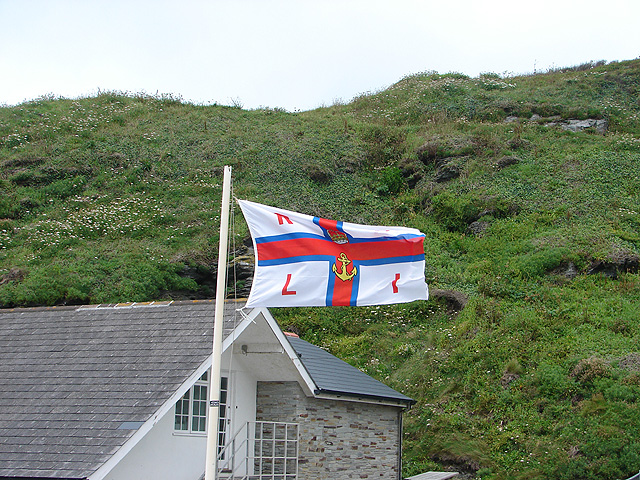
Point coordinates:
[(211, 466)]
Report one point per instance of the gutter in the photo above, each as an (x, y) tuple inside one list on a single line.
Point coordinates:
[(359, 397)]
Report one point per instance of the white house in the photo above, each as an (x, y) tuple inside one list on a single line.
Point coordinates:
[(119, 392)]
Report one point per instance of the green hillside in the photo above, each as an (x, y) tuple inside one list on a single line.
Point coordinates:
[(525, 363)]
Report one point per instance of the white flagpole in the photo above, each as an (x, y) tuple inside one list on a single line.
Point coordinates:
[(211, 467)]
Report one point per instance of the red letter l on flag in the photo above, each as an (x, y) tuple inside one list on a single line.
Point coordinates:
[(286, 285)]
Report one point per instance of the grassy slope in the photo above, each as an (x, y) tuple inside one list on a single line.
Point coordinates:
[(110, 198)]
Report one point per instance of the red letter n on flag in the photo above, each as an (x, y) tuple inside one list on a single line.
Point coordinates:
[(310, 261)]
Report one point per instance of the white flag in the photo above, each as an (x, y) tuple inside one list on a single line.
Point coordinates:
[(310, 261)]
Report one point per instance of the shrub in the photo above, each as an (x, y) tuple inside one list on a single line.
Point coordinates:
[(391, 181), (588, 369), (552, 381), (455, 212), (383, 143), (534, 264)]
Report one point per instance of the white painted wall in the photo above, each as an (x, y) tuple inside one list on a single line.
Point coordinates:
[(163, 455)]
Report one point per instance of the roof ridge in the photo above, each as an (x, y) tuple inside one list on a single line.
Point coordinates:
[(155, 303)]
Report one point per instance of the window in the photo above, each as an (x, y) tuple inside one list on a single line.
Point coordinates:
[(191, 409)]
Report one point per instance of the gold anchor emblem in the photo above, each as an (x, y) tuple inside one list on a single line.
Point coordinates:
[(343, 274)]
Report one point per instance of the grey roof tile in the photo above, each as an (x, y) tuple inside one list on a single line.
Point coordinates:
[(335, 376), (69, 377)]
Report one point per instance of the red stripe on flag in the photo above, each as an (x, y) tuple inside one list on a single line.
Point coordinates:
[(296, 248), (355, 251), (341, 292), (328, 224)]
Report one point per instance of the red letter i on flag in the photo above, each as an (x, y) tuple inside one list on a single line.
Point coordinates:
[(394, 284), (286, 285)]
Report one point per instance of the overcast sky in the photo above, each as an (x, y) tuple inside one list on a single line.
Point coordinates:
[(293, 54)]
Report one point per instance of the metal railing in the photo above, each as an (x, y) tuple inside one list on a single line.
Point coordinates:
[(261, 451)]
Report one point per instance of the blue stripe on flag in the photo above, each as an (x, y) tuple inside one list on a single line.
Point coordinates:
[(389, 260), (330, 258), (299, 259), (408, 236), (288, 236), (354, 290), (329, 298), (296, 235)]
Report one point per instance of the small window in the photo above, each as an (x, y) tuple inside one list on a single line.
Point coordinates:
[(191, 410)]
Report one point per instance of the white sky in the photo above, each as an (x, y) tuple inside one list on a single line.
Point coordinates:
[(294, 54)]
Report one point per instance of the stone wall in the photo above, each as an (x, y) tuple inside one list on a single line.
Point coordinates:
[(339, 440)]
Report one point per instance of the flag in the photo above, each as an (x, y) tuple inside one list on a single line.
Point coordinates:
[(310, 261)]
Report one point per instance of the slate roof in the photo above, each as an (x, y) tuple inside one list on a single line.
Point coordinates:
[(333, 376), (76, 382)]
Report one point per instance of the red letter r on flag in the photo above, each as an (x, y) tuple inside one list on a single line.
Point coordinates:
[(282, 218)]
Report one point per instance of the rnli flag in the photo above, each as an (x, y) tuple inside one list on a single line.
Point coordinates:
[(310, 261)]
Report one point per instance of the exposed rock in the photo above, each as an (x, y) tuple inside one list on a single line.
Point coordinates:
[(574, 451), (535, 118), (455, 300), (511, 119), (573, 125), (204, 276), (241, 268), (240, 274), (566, 270), (579, 125), (442, 148), (239, 279), (570, 271)]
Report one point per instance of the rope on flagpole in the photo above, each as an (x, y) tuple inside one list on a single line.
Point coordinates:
[(231, 250)]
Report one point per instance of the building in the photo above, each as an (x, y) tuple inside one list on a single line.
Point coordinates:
[(120, 392)]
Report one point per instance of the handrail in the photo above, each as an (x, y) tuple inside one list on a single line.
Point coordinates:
[(270, 452), (222, 463)]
